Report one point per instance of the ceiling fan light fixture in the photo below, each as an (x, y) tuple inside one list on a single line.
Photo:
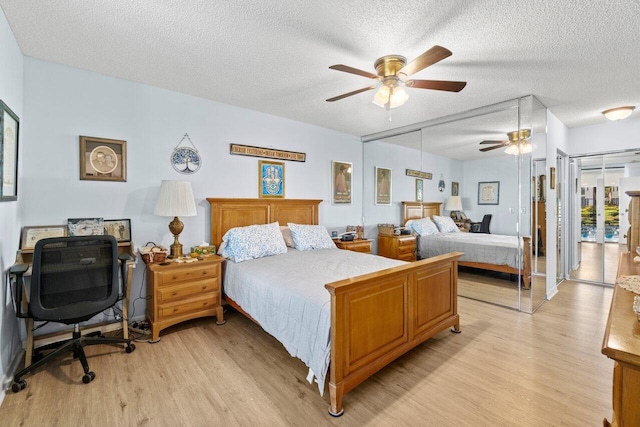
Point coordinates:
[(522, 148), (618, 113), (391, 94)]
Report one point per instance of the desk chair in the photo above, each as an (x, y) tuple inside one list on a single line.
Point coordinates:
[(481, 227), (73, 279)]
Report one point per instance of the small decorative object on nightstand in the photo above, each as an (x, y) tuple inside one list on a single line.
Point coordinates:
[(401, 247), (183, 291), (359, 245)]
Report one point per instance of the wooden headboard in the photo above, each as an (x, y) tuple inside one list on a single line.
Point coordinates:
[(417, 210), (229, 213)]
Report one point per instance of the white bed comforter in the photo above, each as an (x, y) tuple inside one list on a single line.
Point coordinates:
[(477, 247), (286, 295)]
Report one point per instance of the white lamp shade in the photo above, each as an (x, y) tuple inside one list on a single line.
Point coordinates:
[(175, 199), (454, 203)]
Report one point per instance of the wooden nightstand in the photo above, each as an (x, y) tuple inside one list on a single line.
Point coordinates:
[(363, 246), (183, 291), (401, 247)]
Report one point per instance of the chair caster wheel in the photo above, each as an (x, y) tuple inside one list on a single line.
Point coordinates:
[(18, 386), (129, 348), (88, 377)]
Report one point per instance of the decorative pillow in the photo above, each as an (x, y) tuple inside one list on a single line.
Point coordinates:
[(445, 224), (253, 241), (288, 238), (309, 237), (424, 227)]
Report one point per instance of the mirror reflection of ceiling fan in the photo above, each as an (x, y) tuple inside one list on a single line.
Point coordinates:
[(393, 72), (517, 143)]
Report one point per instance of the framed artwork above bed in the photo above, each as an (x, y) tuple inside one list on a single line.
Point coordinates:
[(270, 179), (489, 193)]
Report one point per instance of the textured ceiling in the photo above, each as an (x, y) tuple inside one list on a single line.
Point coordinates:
[(577, 57)]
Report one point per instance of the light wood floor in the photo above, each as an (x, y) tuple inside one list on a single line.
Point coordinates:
[(591, 267), (506, 368)]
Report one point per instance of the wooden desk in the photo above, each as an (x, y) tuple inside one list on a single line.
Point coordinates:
[(622, 344), (26, 257)]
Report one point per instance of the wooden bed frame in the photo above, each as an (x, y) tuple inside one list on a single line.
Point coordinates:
[(376, 317), (417, 210)]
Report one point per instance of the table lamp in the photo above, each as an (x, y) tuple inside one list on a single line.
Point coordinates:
[(175, 199), (454, 204)]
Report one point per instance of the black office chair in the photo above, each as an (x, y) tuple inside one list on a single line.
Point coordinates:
[(73, 279), (481, 227)]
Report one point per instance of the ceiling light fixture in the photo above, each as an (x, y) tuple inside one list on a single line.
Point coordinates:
[(618, 113), (520, 143), (391, 93)]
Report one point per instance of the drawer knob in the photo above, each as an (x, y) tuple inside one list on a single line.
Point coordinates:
[(204, 287), (173, 294), (175, 277), (205, 303), (175, 309), (204, 273)]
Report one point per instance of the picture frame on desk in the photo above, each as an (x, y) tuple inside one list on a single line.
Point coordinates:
[(31, 235), (118, 228), (85, 226)]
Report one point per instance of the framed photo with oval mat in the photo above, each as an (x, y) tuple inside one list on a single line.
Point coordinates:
[(103, 159)]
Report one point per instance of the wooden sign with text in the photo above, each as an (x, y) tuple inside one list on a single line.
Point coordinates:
[(419, 174), (269, 153)]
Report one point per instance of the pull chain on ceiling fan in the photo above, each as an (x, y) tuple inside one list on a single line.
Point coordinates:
[(393, 71)]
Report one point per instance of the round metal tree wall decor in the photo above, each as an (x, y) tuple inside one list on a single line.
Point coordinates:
[(186, 160), (441, 183)]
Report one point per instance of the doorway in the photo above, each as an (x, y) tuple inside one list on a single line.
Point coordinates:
[(598, 213)]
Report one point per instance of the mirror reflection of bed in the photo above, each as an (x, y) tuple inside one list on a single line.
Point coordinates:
[(489, 270)]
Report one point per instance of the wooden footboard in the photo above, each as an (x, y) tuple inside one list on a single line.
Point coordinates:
[(378, 317)]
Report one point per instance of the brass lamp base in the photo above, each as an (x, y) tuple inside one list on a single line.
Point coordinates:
[(176, 226)]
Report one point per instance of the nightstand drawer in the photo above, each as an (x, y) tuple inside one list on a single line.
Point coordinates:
[(177, 275), (411, 256), (175, 292), (406, 241), (181, 307), (406, 249)]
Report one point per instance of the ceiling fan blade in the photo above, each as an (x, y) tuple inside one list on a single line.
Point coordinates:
[(493, 148), (438, 85), (430, 57), (355, 92), (352, 70), (487, 141)]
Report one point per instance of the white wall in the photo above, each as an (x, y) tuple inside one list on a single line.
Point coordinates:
[(606, 137), (503, 169), (11, 92)]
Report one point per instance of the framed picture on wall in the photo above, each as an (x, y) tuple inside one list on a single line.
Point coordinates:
[(270, 179), (383, 186), (31, 235), (341, 182), (419, 188), (454, 188), (9, 130), (103, 159), (489, 193)]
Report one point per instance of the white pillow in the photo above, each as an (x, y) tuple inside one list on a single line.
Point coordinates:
[(424, 227), (253, 241), (446, 224), (309, 237)]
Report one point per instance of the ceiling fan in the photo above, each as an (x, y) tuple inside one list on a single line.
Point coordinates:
[(518, 142), (393, 72)]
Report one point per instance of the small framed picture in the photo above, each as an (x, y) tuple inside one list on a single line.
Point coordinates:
[(419, 188), (31, 235), (454, 188), (383, 186), (85, 226), (270, 179), (103, 159), (489, 193), (118, 228), (9, 132), (341, 173)]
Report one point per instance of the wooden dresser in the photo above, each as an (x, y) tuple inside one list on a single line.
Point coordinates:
[(622, 344), (359, 245), (401, 247), (183, 291)]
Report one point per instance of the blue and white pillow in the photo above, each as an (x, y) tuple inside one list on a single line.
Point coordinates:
[(423, 227), (309, 237), (253, 241), (445, 224)]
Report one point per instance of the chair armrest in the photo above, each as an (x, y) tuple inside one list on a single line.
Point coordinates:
[(125, 257), (18, 271)]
